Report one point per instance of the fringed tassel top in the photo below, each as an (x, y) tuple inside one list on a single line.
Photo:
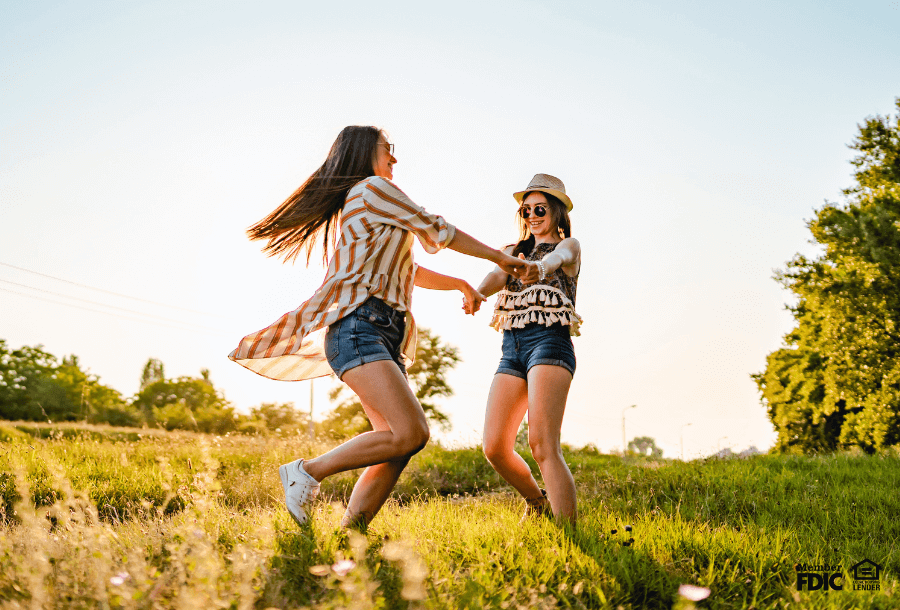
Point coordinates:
[(547, 303)]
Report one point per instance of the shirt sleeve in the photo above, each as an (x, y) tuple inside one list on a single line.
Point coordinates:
[(389, 205)]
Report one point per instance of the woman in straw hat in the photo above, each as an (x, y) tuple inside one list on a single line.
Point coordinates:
[(358, 322), (536, 313)]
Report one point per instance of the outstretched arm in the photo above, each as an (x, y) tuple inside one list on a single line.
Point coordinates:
[(494, 281), (567, 255), (426, 278), (466, 244)]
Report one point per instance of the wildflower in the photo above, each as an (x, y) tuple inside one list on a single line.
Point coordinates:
[(118, 579), (343, 566), (693, 592)]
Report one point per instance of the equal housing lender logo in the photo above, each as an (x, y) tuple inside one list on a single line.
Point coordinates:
[(827, 577)]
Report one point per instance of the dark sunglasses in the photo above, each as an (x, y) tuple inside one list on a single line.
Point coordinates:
[(539, 211)]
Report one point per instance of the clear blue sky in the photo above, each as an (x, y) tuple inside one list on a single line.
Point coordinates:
[(137, 142)]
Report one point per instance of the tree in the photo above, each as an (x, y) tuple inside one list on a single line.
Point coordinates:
[(90, 400), (427, 376), (188, 403), (644, 445), (283, 417), (34, 386), (836, 382), (153, 371), (22, 373)]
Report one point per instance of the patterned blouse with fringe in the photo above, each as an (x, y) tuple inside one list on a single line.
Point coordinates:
[(549, 302)]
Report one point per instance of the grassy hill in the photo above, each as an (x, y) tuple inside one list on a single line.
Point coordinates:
[(124, 518)]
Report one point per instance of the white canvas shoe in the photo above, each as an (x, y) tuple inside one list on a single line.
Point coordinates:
[(299, 489)]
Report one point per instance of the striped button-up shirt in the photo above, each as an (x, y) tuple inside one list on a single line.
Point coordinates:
[(374, 258)]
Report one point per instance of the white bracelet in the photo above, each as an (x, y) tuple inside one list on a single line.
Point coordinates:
[(542, 270)]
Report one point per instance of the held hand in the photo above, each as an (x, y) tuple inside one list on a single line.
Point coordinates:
[(531, 273), (472, 299), (513, 266)]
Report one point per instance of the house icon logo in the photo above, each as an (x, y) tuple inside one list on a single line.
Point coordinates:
[(865, 575)]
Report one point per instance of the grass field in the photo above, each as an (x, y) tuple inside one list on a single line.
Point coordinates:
[(98, 517)]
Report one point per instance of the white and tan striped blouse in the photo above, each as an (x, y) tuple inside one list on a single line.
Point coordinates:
[(373, 257)]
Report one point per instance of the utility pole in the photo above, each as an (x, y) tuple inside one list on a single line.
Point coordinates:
[(682, 439), (624, 442), (312, 426)]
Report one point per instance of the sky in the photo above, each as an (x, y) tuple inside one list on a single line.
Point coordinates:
[(138, 141)]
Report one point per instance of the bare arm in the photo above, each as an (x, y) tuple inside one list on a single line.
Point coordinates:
[(432, 280), (466, 244), (494, 281), (566, 254)]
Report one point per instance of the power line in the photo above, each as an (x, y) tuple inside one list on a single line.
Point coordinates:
[(59, 294), (109, 313), (118, 294)]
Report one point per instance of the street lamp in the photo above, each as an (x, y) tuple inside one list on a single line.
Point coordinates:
[(624, 442), (682, 439), (312, 425), (719, 444)]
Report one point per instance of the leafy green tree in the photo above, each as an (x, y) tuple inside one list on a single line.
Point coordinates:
[(153, 371), (22, 371), (89, 400), (188, 403), (644, 445), (283, 417), (35, 386), (427, 376), (836, 383)]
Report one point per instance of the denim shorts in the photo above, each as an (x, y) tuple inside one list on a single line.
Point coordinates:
[(374, 331), (535, 344)]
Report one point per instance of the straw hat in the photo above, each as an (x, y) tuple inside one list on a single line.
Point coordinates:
[(546, 183)]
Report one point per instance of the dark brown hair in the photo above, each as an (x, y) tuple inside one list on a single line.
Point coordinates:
[(558, 214), (315, 206)]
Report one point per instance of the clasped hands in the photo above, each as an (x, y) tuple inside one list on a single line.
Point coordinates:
[(525, 271)]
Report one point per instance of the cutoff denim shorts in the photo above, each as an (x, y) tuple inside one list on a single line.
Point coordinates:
[(373, 331), (536, 344)]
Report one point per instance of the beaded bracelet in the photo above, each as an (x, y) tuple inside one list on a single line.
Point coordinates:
[(542, 270)]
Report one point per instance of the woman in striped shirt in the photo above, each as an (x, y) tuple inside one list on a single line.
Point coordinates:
[(358, 323)]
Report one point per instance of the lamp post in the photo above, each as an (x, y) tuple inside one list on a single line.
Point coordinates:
[(719, 444), (312, 426), (624, 442), (682, 439)]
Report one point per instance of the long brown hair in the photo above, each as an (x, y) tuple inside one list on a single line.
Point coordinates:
[(558, 214), (315, 206)]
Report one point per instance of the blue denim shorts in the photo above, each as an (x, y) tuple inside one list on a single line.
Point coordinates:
[(374, 331), (535, 344)]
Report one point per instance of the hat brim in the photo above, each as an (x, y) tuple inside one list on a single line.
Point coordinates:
[(558, 194)]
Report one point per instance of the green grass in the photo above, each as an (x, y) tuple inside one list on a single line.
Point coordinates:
[(98, 516)]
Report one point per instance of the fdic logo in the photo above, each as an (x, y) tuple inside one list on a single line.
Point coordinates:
[(819, 577), (828, 577)]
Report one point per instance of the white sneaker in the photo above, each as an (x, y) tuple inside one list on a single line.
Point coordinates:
[(299, 489)]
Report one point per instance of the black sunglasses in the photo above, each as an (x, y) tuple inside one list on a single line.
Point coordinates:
[(539, 211)]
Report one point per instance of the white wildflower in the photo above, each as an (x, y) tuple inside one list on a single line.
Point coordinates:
[(693, 592), (342, 567), (118, 579)]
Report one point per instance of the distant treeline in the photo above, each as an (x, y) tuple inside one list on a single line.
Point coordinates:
[(35, 385)]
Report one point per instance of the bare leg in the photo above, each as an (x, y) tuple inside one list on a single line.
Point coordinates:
[(507, 403), (374, 485), (548, 387), (382, 387)]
